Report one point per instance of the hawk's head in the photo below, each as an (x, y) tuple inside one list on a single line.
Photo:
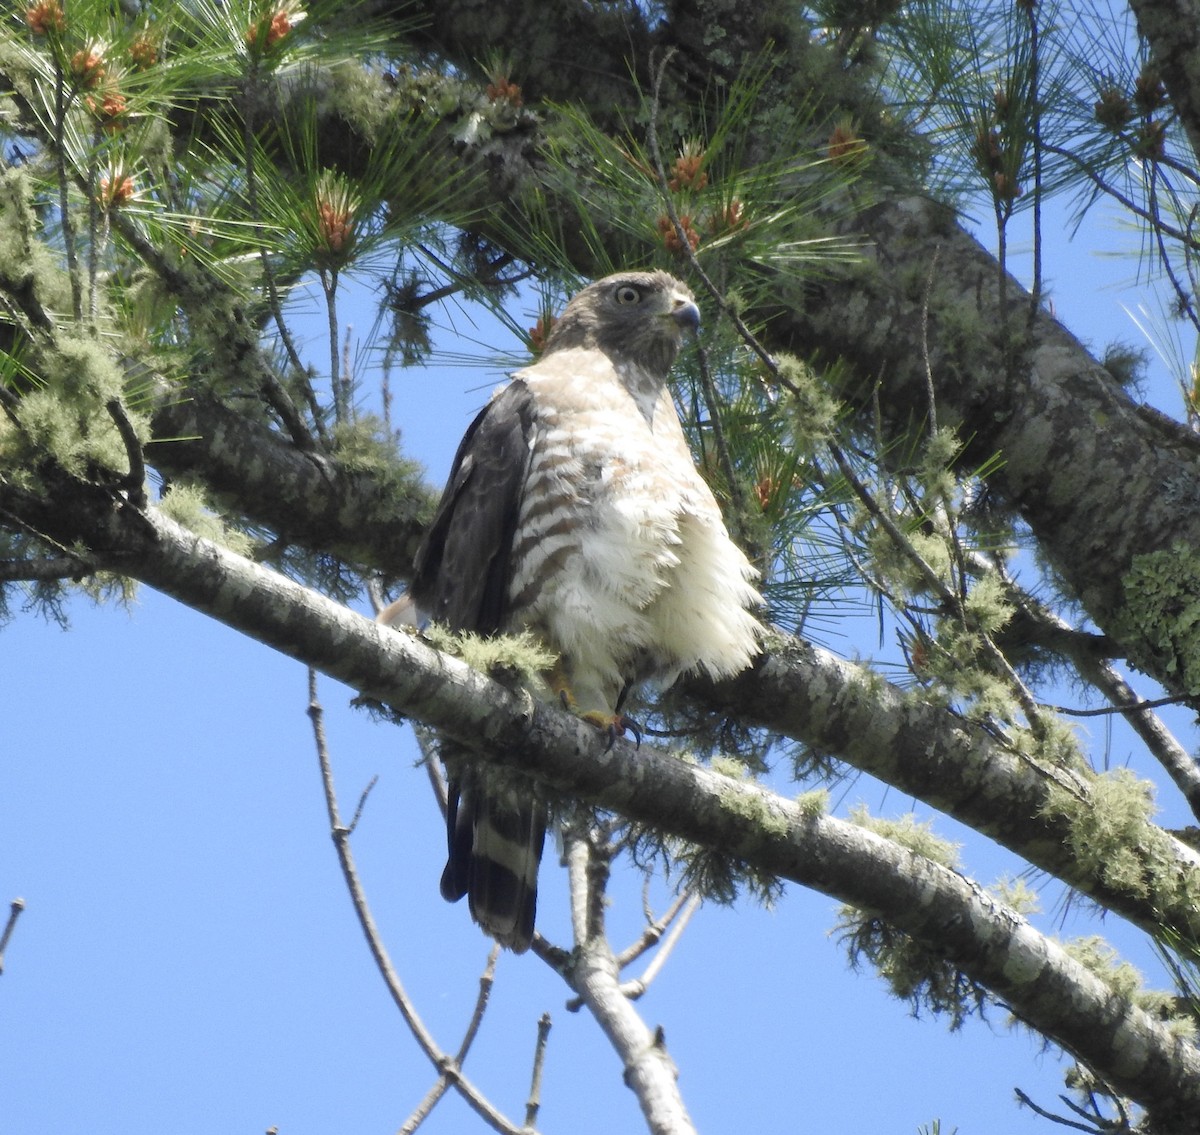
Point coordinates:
[(633, 317)]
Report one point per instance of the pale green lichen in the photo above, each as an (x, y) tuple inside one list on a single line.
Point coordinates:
[(1160, 623), (913, 971), (911, 833), (1017, 894), (1111, 837), (813, 804), (523, 658), (187, 505), (1101, 959), (813, 411), (66, 416), (753, 807), (26, 263)]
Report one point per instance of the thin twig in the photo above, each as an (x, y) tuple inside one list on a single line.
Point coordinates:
[(736, 497), (274, 390), (534, 1103), (425, 1106), (1128, 707), (655, 929), (1035, 293), (92, 182), (487, 979), (429, 1101), (663, 954), (1060, 1119), (930, 388), (445, 1064), (1100, 672), (14, 912), (60, 160), (1125, 202), (934, 582), (338, 383), (362, 803)]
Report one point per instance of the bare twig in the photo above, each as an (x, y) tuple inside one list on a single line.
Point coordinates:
[(1035, 291), (427, 743), (558, 959), (1062, 1120), (655, 929), (362, 803), (66, 221), (441, 1085), (633, 990), (274, 391), (447, 1065), (486, 980), (929, 383), (428, 1102), (1137, 705), (338, 382), (14, 912), (534, 1104)]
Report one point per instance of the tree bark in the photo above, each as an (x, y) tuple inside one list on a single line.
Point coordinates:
[(1173, 31), (373, 519)]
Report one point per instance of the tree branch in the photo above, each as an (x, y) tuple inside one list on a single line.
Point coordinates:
[(309, 499), (14, 912), (950, 915), (649, 1072), (450, 1068)]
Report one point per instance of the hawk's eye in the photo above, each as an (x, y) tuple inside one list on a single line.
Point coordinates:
[(627, 293)]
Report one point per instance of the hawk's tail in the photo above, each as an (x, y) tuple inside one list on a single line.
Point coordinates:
[(495, 836)]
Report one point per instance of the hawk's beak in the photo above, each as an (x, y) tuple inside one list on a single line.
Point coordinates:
[(686, 314)]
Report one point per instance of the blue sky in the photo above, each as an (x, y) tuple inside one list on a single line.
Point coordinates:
[(189, 961)]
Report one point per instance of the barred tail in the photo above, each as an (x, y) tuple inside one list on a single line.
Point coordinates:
[(495, 836)]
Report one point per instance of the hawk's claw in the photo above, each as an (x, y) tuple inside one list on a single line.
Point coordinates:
[(628, 725), (614, 725)]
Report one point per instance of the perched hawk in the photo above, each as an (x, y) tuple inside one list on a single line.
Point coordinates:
[(574, 510)]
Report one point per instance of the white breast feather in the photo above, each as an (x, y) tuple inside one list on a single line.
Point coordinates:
[(654, 578)]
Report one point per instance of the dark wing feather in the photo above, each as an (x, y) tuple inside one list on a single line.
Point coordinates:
[(462, 568), (494, 834)]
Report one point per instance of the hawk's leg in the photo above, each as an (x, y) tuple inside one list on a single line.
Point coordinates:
[(613, 725)]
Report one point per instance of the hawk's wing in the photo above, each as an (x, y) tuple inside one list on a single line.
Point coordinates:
[(494, 834), (463, 567)]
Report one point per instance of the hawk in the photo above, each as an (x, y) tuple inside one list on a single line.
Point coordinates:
[(574, 511)]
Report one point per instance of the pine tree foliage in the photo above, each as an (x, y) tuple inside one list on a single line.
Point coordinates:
[(894, 427)]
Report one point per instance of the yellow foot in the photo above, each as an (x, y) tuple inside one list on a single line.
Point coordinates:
[(612, 725)]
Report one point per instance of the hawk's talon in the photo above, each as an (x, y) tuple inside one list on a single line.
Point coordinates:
[(632, 727), (614, 725)]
